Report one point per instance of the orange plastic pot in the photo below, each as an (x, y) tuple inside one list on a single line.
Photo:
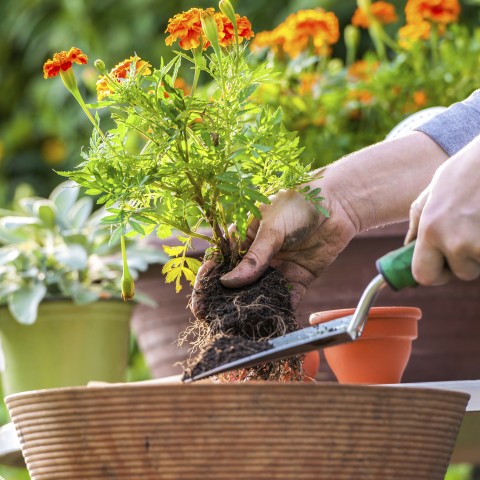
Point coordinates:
[(381, 353)]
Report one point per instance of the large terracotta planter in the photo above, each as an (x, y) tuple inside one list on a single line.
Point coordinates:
[(67, 345), (381, 353), (243, 431)]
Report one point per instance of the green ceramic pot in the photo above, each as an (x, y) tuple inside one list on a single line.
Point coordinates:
[(67, 345)]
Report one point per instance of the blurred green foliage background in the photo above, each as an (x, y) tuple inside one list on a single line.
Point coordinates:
[(41, 126)]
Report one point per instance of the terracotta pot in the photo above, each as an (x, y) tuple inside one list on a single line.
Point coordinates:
[(381, 353), (311, 364), (247, 431)]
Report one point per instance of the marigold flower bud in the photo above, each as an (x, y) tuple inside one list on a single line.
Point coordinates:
[(227, 9), (100, 66), (352, 37), (69, 80), (128, 286), (209, 26)]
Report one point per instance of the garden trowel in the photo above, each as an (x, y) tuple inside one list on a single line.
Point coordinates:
[(395, 271)]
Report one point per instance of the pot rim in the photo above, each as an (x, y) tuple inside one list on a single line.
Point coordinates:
[(375, 312), (383, 322)]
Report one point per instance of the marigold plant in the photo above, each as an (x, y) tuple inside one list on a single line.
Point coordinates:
[(173, 162)]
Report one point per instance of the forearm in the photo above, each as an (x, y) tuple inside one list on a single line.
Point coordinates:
[(377, 185)]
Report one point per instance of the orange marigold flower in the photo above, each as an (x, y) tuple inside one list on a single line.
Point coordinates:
[(384, 12), (412, 33), (435, 11), (187, 28), (227, 31), (120, 72), (305, 27), (62, 61)]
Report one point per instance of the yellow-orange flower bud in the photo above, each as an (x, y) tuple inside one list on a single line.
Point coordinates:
[(100, 66)]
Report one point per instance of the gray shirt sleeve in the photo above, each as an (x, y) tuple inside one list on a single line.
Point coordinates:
[(457, 126)]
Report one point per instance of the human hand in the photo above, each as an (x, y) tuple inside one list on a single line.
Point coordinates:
[(294, 238), (366, 189), (445, 218)]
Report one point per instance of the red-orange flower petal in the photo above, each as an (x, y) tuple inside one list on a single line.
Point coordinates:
[(63, 61), (436, 11), (227, 31), (187, 28)]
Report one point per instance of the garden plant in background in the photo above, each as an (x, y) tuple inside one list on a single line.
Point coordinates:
[(58, 248), (62, 320), (341, 105), (175, 163)]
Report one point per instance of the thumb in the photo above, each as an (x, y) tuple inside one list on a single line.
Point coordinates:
[(255, 261), (416, 210)]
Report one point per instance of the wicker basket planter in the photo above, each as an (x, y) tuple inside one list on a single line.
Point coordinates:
[(237, 431)]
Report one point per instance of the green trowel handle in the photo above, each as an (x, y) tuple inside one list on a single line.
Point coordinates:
[(396, 267)]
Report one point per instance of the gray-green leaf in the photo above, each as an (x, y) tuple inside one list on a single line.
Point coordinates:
[(23, 304)]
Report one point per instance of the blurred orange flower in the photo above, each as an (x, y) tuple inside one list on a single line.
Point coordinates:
[(362, 70), (307, 27), (435, 11), (274, 39), (187, 28), (364, 97), (419, 98), (181, 84), (384, 12), (63, 61), (120, 72), (308, 81), (411, 33)]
